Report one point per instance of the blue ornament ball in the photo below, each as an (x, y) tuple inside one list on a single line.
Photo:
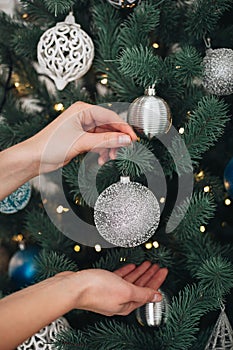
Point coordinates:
[(228, 178), (17, 200), (22, 266)]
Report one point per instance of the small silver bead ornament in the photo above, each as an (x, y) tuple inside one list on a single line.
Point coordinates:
[(150, 114)]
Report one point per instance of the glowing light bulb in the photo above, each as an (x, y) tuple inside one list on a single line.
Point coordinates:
[(155, 45), (98, 247), (181, 130), (162, 200), (104, 81), (207, 189), (148, 245), (77, 248), (202, 228), (200, 176), (227, 201), (58, 107), (155, 244)]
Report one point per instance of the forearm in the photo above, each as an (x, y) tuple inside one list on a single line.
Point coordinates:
[(17, 165), (25, 312)]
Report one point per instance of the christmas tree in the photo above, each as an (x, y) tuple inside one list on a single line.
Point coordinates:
[(182, 51)]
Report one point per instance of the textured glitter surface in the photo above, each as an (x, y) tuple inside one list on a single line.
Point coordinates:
[(218, 71), (126, 214), (150, 115), (17, 200)]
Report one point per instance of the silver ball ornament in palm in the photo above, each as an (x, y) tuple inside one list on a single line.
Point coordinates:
[(126, 213), (218, 71), (150, 114), (153, 314)]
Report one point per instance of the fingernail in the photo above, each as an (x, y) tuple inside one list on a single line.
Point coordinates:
[(157, 297), (124, 139)]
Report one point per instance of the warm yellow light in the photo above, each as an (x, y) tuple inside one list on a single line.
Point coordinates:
[(18, 238), (17, 84), (25, 15), (58, 107), (202, 228), (227, 201), (200, 175), (155, 244), (104, 81), (207, 189), (148, 245), (181, 130), (98, 247), (162, 200), (122, 259), (155, 45), (39, 233), (178, 67), (77, 248)]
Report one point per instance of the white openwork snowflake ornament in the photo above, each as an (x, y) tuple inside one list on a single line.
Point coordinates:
[(65, 52), (45, 338)]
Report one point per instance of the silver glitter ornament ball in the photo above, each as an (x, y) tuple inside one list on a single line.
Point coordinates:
[(124, 3), (150, 114), (153, 314), (218, 71), (126, 213)]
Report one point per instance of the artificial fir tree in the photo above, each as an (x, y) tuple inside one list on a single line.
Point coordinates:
[(159, 42)]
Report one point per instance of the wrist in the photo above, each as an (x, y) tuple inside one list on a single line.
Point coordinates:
[(74, 288)]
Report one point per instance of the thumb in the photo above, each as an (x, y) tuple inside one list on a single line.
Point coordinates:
[(145, 295), (105, 140)]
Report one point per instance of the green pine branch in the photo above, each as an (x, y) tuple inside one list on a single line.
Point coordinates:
[(58, 7), (195, 212), (170, 23), (216, 274), (202, 17), (184, 316), (24, 41), (45, 232), (106, 22), (136, 29), (117, 335), (204, 127), (116, 257), (38, 13), (188, 63), (136, 160), (161, 256), (140, 63), (214, 182), (49, 264), (70, 339), (203, 250)]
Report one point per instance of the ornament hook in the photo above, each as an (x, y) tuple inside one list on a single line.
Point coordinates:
[(207, 42)]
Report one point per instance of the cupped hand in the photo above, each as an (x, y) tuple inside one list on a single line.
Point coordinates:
[(80, 128), (121, 292)]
